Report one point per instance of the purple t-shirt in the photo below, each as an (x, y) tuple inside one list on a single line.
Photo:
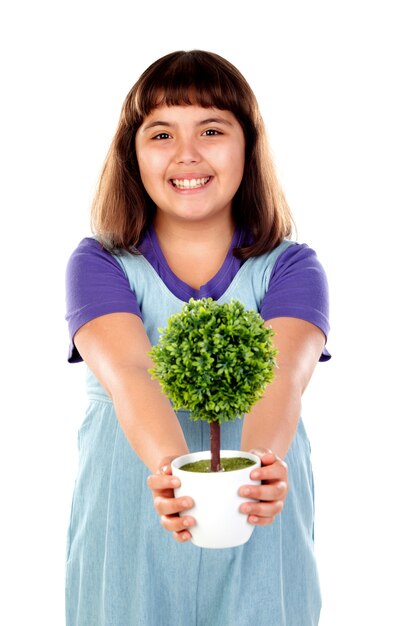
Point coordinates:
[(96, 285)]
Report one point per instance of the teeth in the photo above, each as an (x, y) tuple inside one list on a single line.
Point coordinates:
[(186, 183)]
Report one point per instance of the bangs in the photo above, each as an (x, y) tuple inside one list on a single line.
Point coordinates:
[(195, 77)]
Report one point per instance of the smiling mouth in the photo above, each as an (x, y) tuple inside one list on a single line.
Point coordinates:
[(186, 183)]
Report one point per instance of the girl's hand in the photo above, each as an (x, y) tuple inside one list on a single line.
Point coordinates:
[(162, 485), (271, 493)]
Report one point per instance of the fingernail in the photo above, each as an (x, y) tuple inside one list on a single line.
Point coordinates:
[(175, 482), (245, 491), (187, 523), (254, 475)]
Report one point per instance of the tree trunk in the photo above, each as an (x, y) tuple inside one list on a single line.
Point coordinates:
[(215, 441)]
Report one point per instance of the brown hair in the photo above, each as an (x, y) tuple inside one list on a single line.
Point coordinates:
[(122, 209)]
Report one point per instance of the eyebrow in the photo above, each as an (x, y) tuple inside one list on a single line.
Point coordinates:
[(209, 120)]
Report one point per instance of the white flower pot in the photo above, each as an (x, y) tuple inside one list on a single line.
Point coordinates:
[(219, 522)]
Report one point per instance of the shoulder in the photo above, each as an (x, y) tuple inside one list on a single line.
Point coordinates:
[(88, 245), (95, 285), (298, 266), (289, 258), (90, 248), (298, 288), (299, 261), (90, 261), (298, 253)]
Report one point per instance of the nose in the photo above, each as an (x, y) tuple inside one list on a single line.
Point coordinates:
[(187, 151)]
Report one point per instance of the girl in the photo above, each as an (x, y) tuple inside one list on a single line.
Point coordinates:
[(189, 205)]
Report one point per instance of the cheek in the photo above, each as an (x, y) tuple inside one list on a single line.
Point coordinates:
[(151, 168), (149, 159), (237, 159), (236, 155)]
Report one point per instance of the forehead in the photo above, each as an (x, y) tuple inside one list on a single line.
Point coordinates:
[(190, 113)]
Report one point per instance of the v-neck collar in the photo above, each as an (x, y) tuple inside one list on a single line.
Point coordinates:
[(214, 288)]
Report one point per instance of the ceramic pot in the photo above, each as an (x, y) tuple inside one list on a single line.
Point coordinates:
[(219, 523)]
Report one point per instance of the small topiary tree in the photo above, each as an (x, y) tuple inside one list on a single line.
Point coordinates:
[(214, 360)]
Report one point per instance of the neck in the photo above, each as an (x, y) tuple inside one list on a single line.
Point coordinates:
[(195, 252), (216, 234)]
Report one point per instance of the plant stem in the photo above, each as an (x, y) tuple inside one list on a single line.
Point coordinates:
[(215, 442)]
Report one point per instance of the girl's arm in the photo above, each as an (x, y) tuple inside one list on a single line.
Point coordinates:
[(273, 420), (272, 423), (115, 347)]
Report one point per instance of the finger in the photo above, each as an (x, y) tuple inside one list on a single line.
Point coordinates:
[(262, 509), (260, 521), (171, 506), (267, 456), (274, 491), (174, 523), (159, 481), (261, 452), (274, 471), (165, 465), (182, 536)]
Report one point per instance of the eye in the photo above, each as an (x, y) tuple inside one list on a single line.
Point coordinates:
[(161, 136), (211, 132)]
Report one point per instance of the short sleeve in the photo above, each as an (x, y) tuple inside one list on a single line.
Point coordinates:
[(298, 288), (95, 285)]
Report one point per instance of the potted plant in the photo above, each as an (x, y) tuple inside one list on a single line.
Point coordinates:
[(215, 360)]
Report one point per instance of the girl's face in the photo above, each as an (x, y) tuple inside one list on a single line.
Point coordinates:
[(191, 161)]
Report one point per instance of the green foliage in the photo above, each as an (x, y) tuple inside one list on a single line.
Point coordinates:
[(214, 360)]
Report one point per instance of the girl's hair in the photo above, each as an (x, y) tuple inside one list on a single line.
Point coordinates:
[(122, 209)]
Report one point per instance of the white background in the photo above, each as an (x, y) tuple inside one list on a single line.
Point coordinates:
[(329, 79)]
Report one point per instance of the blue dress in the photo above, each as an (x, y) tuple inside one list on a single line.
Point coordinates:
[(124, 569)]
